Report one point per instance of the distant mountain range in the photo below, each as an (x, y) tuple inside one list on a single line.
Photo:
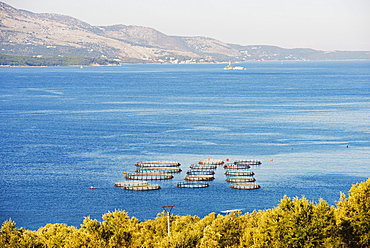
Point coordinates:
[(52, 35)]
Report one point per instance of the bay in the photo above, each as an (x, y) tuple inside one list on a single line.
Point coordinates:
[(64, 129)]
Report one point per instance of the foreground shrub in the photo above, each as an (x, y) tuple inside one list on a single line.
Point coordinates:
[(294, 222)]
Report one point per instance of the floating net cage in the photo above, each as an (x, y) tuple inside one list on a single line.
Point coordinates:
[(239, 173), (142, 187), (200, 172), (149, 176), (157, 164), (158, 169), (235, 179), (203, 167), (199, 178), (245, 186), (248, 162), (209, 161), (130, 183), (237, 166), (192, 185)]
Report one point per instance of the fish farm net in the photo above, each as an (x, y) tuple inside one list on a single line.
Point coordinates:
[(149, 176), (192, 185), (157, 164), (199, 178), (245, 186), (240, 179), (239, 173)]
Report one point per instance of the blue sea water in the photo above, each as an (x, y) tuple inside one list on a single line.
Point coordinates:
[(64, 129)]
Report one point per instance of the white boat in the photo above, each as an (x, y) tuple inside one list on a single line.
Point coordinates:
[(231, 211), (231, 67)]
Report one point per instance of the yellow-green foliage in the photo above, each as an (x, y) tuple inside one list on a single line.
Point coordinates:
[(353, 215), (294, 222)]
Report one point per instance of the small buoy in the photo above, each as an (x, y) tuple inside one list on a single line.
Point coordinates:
[(227, 159), (271, 159), (124, 172)]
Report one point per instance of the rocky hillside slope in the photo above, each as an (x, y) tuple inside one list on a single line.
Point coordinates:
[(44, 35)]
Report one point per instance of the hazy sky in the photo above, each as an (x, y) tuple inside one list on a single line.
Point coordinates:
[(318, 24)]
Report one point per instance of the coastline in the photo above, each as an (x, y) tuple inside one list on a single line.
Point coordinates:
[(200, 63)]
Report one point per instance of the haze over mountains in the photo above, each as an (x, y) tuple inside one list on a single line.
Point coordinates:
[(51, 35)]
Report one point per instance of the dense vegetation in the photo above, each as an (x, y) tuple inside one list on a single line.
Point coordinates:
[(293, 223), (53, 61)]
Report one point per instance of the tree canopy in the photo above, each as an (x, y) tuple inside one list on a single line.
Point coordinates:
[(294, 222), (9, 60)]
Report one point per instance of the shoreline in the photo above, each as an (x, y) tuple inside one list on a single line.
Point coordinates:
[(202, 63)]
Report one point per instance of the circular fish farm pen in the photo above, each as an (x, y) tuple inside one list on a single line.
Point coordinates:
[(142, 187), (158, 169), (192, 185), (209, 161), (239, 173), (240, 179), (199, 178), (237, 166), (130, 183), (200, 172), (245, 186), (149, 176), (158, 164), (248, 162), (203, 167)]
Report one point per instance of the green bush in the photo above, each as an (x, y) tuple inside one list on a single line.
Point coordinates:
[(7, 60), (294, 222)]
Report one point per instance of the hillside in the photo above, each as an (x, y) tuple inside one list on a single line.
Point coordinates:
[(51, 35)]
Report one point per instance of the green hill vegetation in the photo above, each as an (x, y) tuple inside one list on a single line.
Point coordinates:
[(9, 60), (294, 222)]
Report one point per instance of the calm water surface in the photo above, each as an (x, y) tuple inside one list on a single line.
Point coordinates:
[(64, 129)]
